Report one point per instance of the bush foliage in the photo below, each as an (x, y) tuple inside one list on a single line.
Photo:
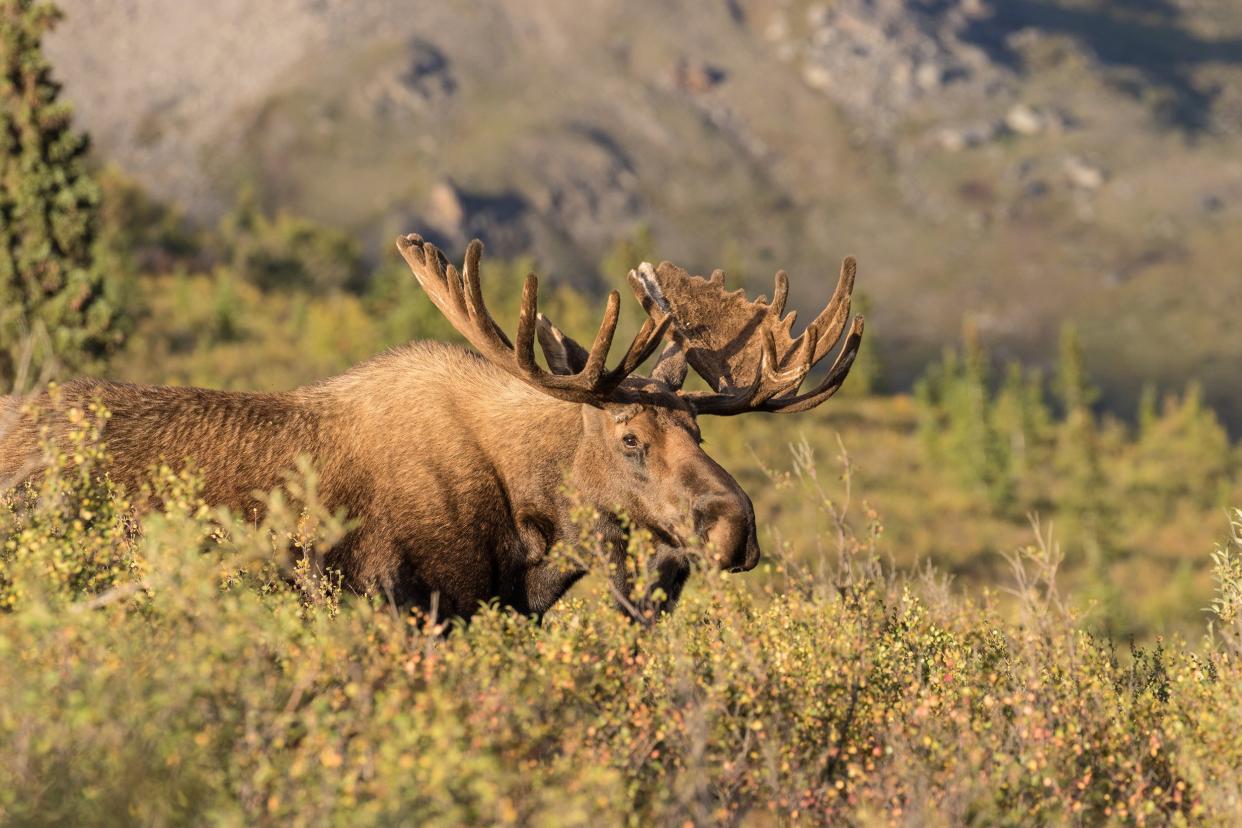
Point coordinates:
[(175, 664)]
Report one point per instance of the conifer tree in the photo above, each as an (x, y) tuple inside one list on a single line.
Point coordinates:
[(52, 285), (1073, 386), (1082, 490), (1022, 418), (1147, 414), (957, 423)]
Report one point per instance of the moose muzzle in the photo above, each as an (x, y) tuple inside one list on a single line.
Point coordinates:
[(726, 523)]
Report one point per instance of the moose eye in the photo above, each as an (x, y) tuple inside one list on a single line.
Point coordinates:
[(630, 441)]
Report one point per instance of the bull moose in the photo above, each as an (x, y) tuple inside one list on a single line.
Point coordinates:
[(456, 466)]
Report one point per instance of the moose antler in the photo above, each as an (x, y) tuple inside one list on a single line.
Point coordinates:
[(579, 375), (744, 349)]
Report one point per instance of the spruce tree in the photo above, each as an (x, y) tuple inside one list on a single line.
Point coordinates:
[(52, 288), (1082, 485), (958, 426), (1074, 388)]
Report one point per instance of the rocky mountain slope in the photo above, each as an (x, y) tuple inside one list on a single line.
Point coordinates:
[(1015, 162)]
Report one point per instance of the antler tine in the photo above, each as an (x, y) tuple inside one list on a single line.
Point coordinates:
[(759, 396), (791, 378), (594, 370), (554, 341), (640, 350), (524, 344), (831, 383), (832, 320), (459, 296), (470, 275), (454, 286), (780, 292), (744, 348), (766, 385), (738, 401), (769, 383), (474, 293)]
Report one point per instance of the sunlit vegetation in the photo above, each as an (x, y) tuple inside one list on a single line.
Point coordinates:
[(179, 664)]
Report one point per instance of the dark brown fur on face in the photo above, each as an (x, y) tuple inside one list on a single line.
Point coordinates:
[(456, 467)]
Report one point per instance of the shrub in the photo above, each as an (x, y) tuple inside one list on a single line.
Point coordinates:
[(169, 668), (959, 424), (1225, 626), (290, 252)]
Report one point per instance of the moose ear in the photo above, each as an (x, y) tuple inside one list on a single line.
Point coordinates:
[(671, 366), (563, 354)]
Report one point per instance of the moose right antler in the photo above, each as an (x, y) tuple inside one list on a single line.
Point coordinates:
[(581, 377), (744, 349)]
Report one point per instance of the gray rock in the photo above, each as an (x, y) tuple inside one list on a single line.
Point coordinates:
[(1211, 203), (929, 76), (956, 139), (817, 76), (879, 59), (415, 85), (1083, 174), (1024, 119), (818, 16)]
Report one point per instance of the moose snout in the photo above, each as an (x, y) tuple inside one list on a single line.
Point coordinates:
[(727, 526)]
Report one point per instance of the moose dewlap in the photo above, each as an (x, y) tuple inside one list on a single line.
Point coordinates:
[(454, 466)]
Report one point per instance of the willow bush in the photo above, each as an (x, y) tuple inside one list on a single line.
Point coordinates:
[(166, 663)]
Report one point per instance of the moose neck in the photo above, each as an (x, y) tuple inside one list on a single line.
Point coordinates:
[(532, 442)]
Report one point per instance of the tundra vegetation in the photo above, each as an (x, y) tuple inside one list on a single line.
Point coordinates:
[(162, 665), (990, 602)]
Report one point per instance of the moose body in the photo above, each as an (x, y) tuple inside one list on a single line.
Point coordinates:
[(459, 470)]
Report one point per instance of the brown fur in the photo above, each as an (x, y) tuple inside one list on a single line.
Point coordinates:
[(455, 471)]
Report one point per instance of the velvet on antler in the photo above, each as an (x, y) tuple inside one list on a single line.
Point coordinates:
[(577, 375), (744, 349)]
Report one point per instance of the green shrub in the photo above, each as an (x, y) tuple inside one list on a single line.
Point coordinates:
[(959, 424), (176, 664), (289, 252)]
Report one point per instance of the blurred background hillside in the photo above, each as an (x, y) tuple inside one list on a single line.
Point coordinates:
[(1014, 163), (1044, 196)]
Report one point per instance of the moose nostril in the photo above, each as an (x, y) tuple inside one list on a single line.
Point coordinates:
[(706, 513), (701, 520)]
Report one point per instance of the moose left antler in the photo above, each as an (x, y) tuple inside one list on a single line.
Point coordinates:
[(583, 378)]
